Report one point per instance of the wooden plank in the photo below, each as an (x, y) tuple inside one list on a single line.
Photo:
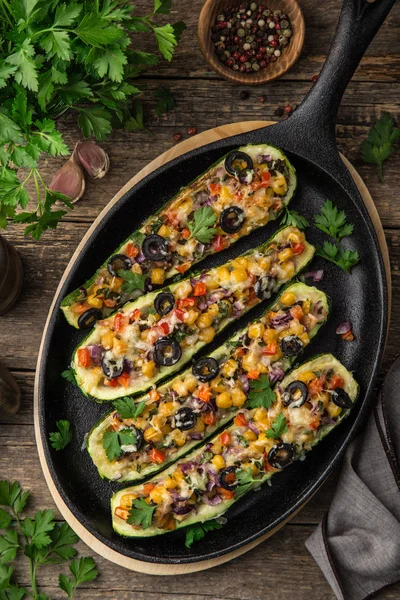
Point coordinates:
[(196, 106), (44, 264), (277, 569), (381, 63)]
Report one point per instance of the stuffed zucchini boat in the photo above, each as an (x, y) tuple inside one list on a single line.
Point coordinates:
[(241, 192), (141, 437), (309, 402), (156, 335)]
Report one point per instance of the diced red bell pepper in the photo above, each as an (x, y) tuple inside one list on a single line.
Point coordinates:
[(204, 393), (185, 233), (200, 289), (164, 327), (120, 322), (240, 420), (156, 456), (253, 374), (124, 379), (226, 494), (84, 358), (335, 382), (298, 248), (218, 243), (131, 250), (136, 314), (111, 382), (183, 268), (209, 418), (186, 302), (180, 314), (270, 349), (225, 438), (214, 188)]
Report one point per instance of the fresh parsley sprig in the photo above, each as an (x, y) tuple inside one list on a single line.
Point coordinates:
[(197, 531), (128, 408), (261, 394), (69, 375), (336, 254), (380, 143), (132, 281), (333, 221), (59, 57), (61, 438), (42, 541), (278, 427), (201, 227), (245, 481), (292, 218), (141, 513), (114, 440)]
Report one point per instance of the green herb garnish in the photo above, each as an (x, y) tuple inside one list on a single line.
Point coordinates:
[(197, 531), (292, 218), (261, 393), (278, 427), (128, 408), (113, 440), (61, 438), (132, 281), (333, 222), (141, 513), (380, 143), (69, 375), (165, 101), (245, 482), (201, 227), (42, 541), (345, 259)]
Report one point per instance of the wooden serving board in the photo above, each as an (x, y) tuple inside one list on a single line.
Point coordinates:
[(201, 139)]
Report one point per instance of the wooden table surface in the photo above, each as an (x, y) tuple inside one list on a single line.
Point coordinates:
[(281, 567)]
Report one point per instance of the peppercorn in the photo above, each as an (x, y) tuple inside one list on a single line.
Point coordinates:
[(192, 130), (244, 95), (314, 78), (288, 109), (177, 137), (262, 99)]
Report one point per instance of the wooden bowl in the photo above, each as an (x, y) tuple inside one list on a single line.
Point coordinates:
[(290, 53)]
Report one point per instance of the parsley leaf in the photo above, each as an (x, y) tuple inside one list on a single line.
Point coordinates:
[(113, 440), (61, 438), (82, 569), (95, 121), (162, 6), (166, 39), (333, 222), (261, 393), (165, 101), (201, 227), (128, 408), (380, 143), (8, 545), (278, 427), (245, 481), (11, 495), (294, 219), (132, 281), (69, 375), (197, 531), (345, 259), (38, 528), (141, 513)]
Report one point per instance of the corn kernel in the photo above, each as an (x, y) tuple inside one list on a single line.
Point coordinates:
[(239, 275), (204, 321), (166, 409), (255, 330), (296, 237), (164, 231), (157, 276), (183, 290), (153, 435), (136, 268), (248, 362), (169, 483), (218, 461), (149, 368), (216, 448), (218, 385), (223, 274), (199, 427), (157, 494), (253, 468), (107, 340), (279, 184), (191, 382), (120, 346), (211, 283), (95, 301), (288, 269), (223, 400), (191, 316), (285, 254), (304, 337), (241, 262), (264, 263), (238, 397), (288, 298), (334, 410), (270, 335), (116, 284), (178, 475), (179, 437), (260, 414), (213, 310), (229, 368), (122, 513), (306, 307), (126, 500), (250, 436), (207, 335)]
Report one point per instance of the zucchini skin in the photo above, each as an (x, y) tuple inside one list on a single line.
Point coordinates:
[(136, 237), (110, 471), (206, 512), (103, 394)]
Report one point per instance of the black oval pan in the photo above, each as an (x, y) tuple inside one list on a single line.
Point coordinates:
[(309, 138)]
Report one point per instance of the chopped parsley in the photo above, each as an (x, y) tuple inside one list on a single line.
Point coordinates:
[(261, 394), (128, 408), (141, 513), (113, 440), (201, 227), (278, 427), (61, 438), (132, 281)]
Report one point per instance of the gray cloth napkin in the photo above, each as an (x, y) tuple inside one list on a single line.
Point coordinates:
[(357, 545)]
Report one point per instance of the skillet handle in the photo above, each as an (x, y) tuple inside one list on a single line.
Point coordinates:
[(359, 22)]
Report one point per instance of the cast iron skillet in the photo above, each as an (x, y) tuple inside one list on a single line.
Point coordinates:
[(309, 138)]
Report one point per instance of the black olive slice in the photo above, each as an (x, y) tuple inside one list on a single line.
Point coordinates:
[(118, 262), (185, 418), (231, 219), (139, 439), (241, 157), (291, 345), (205, 369), (263, 287), (295, 394), (167, 351), (341, 398), (89, 318), (164, 302), (155, 247), (281, 455), (227, 478), (112, 367)]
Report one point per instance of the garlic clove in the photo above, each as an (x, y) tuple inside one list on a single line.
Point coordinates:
[(69, 180), (92, 158)]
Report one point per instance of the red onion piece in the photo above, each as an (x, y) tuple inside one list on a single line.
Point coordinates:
[(343, 328), (315, 276)]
